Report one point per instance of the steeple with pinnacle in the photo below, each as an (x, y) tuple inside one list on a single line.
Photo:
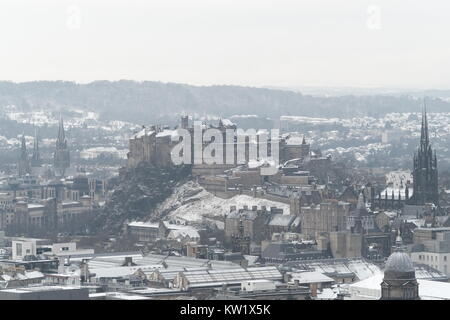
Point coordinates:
[(24, 162), (425, 173), (61, 157), (304, 149), (36, 157)]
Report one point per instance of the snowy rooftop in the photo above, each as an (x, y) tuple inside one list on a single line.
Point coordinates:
[(113, 272), (370, 288), (310, 277), (361, 268), (282, 220), (143, 224), (108, 261), (143, 132), (232, 276), (184, 233), (167, 133)]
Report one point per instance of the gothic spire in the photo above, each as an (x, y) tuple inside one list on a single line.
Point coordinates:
[(36, 157), (425, 175), (23, 148), (36, 142), (61, 133), (424, 139), (24, 165), (24, 145), (61, 157), (361, 205)]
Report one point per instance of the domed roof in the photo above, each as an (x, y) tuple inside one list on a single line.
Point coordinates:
[(399, 262)]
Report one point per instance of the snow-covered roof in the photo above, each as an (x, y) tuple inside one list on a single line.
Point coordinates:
[(396, 191), (310, 277), (143, 224), (27, 275), (114, 272), (361, 268), (370, 288), (35, 206), (166, 133), (212, 278), (183, 233), (143, 132), (282, 220), (327, 294), (111, 260)]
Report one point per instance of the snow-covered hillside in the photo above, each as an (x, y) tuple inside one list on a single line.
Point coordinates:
[(190, 202)]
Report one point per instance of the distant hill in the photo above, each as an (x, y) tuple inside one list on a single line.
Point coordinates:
[(147, 102)]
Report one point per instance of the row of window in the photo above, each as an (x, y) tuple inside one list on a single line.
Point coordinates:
[(430, 258)]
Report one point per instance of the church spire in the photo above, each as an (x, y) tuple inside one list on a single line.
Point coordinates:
[(61, 134), (425, 174), (361, 205), (24, 164), (36, 157), (61, 157), (424, 138), (23, 147)]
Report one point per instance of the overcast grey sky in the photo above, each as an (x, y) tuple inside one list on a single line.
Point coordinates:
[(243, 42)]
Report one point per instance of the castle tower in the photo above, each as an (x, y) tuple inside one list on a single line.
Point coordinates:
[(241, 242), (425, 174), (24, 163), (185, 122), (61, 157), (36, 157), (304, 149), (399, 282)]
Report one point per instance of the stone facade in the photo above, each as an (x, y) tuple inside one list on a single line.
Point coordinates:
[(154, 145), (48, 214), (345, 244), (327, 217)]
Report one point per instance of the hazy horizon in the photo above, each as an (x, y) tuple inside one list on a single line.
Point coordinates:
[(286, 44)]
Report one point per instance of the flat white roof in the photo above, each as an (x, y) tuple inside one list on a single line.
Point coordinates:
[(311, 277), (143, 224)]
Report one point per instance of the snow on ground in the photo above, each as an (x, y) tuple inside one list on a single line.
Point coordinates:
[(92, 153), (192, 203)]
